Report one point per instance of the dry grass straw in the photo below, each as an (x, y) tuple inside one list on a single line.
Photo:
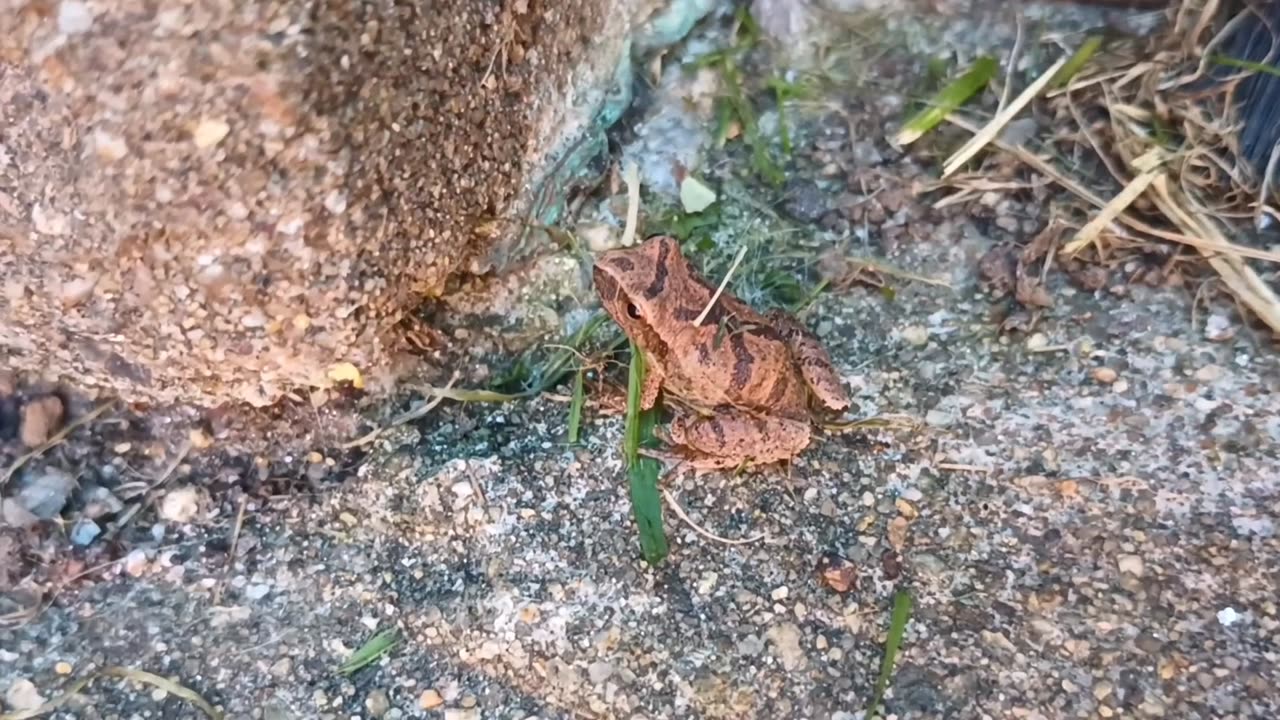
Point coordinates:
[(1145, 136)]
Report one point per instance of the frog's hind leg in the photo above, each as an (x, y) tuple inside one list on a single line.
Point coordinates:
[(730, 439), (813, 361)]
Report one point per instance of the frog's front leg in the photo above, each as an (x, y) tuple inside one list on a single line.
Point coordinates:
[(653, 377), (814, 362), (731, 438)]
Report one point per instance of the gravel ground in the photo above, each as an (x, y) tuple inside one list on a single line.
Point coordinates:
[(1084, 517)]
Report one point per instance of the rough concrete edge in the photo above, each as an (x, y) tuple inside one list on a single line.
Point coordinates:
[(582, 137)]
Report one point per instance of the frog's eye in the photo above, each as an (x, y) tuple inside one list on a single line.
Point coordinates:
[(633, 311)]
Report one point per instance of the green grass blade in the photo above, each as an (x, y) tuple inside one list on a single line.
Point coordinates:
[(1077, 61), (892, 643), (1245, 64), (375, 648), (642, 472), (948, 99), (575, 408)]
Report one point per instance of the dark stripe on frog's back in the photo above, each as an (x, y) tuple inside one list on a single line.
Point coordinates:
[(781, 384), (660, 272), (743, 361)]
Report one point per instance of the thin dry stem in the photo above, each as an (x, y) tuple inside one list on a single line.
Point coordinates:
[(1113, 209), (992, 129), (437, 396), (737, 260), (631, 176), (671, 500)]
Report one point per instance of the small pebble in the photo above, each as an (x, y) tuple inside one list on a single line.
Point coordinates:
[(916, 335), (84, 532), (1104, 375), (74, 17), (598, 672), (939, 418), (100, 502), (599, 237), (135, 563), (1130, 564), (282, 668), (430, 700), (1037, 342), (23, 695), (108, 147), (377, 703), (785, 638), (1218, 328), (180, 505), (1208, 373), (46, 493), (1119, 386), (780, 593), (200, 440), (210, 132), (14, 515)]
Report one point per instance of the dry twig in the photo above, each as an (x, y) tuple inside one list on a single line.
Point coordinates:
[(671, 500)]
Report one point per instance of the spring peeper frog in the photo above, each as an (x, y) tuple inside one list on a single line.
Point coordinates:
[(755, 381)]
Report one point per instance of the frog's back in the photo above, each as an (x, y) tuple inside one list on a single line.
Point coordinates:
[(747, 367)]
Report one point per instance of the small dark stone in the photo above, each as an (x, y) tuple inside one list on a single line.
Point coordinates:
[(891, 562), (804, 201)]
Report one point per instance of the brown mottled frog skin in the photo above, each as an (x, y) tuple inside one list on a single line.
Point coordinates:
[(755, 381)]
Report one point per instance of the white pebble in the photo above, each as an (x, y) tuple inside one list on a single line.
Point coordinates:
[(1130, 565), (916, 335), (180, 505), (210, 132), (74, 17), (23, 695)]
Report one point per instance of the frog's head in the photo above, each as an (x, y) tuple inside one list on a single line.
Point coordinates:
[(633, 282)]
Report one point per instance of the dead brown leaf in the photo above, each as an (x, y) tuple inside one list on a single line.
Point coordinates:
[(837, 572)]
